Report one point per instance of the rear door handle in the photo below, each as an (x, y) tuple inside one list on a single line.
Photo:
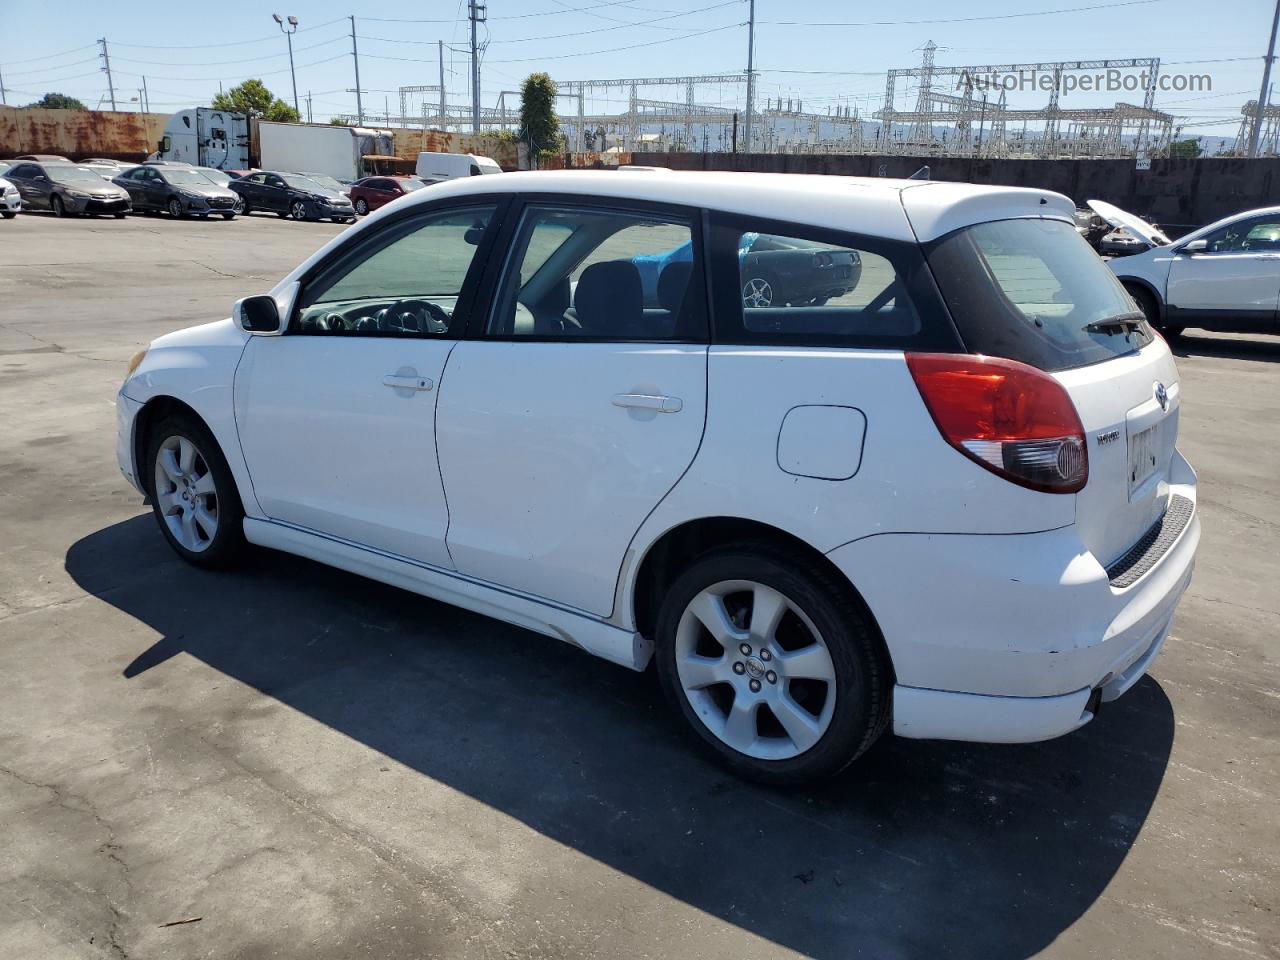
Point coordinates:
[(645, 401), (406, 383)]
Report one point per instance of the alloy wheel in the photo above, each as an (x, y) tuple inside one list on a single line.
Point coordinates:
[(175, 207), (186, 493), (362, 207), (299, 210), (755, 669), (757, 292)]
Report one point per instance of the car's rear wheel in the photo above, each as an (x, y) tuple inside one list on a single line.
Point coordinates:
[(773, 662), (298, 210), (175, 207), (193, 494), (362, 207)]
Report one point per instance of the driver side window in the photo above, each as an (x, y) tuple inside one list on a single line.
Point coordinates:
[(405, 282)]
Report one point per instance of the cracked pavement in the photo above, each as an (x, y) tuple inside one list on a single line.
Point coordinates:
[(319, 766)]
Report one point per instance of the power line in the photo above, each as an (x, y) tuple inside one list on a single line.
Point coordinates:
[(60, 66), (219, 63), (633, 46), (992, 16), (55, 56)]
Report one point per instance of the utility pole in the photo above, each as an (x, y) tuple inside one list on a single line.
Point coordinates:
[(355, 56), (751, 77), (293, 23), (146, 97), (308, 106), (440, 50), (3, 101), (477, 13), (112, 87), (1256, 135)]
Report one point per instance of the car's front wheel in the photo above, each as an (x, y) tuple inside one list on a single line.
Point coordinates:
[(193, 494), (774, 663), (1151, 310), (175, 208), (298, 210), (59, 208), (228, 216)]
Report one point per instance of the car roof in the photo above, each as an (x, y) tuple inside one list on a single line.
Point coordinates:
[(895, 209)]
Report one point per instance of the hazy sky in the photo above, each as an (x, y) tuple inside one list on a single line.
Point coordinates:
[(803, 49)]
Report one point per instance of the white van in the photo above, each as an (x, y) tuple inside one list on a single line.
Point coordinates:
[(449, 166)]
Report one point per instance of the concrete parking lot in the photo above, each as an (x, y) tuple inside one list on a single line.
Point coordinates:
[(316, 765)]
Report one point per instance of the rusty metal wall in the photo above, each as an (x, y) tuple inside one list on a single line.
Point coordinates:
[(79, 134), (409, 143)]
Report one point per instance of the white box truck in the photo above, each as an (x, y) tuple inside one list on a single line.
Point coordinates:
[(344, 153), (447, 166), (206, 137)]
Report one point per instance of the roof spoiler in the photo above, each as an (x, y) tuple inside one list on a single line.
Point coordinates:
[(921, 174)]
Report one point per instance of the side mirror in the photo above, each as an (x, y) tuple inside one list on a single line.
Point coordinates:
[(474, 235), (258, 315), (1195, 246)]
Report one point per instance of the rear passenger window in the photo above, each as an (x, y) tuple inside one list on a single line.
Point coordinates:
[(794, 285), (598, 274)]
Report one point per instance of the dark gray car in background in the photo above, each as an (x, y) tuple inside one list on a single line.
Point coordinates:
[(67, 189), (181, 191), (292, 195)]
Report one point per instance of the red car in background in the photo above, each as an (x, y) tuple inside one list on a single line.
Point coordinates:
[(374, 192)]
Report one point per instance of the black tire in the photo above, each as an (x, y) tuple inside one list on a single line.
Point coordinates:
[(282, 214), (863, 674), (1151, 310), (58, 207), (9, 214), (120, 216), (362, 207), (228, 542), (175, 208), (245, 209), (228, 216)]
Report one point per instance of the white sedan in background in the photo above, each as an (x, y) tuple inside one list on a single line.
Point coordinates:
[(1223, 277), (952, 508), (10, 199)]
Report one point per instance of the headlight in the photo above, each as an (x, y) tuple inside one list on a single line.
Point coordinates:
[(10, 189), (134, 363), (78, 195)]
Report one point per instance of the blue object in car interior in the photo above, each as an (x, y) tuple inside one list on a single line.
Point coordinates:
[(651, 265)]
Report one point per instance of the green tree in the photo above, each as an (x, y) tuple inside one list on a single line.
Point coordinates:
[(339, 122), (1188, 149), (253, 97), (539, 127), (59, 101)]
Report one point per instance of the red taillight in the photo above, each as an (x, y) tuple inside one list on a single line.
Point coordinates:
[(1011, 418)]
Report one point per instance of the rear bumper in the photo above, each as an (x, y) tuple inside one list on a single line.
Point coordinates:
[(1006, 638)]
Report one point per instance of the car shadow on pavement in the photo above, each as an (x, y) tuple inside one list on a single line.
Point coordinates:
[(1228, 348), (921, 849)]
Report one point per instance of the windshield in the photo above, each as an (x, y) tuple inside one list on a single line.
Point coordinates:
[(408, 185), (180, 177), (329, 183), (61, 174), (216, 176), (301, 183), (1034, 291)]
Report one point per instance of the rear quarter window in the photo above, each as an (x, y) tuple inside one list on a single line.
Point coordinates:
[(790, 284), (1033, 290)]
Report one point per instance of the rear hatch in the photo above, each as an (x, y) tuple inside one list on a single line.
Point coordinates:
[(1032, 290)]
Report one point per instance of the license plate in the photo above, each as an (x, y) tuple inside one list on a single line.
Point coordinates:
[(1143, 454)]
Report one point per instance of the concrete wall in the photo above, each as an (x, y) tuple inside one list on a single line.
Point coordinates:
[(80, 134), (1178, 194)]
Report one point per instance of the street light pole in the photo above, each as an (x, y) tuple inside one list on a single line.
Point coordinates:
[(293, 24)]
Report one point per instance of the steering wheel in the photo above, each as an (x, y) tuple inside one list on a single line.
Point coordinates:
[(414, 316)]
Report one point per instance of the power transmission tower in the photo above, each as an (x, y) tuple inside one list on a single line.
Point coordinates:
[(107, 70), (477, 13)]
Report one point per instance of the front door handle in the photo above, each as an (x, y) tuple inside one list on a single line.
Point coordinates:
[(645, 401), (400, 382)]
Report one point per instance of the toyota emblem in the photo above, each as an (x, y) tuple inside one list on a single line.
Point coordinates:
[(1162, 396)]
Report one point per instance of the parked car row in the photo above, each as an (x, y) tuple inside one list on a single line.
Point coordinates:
[(48, 182)]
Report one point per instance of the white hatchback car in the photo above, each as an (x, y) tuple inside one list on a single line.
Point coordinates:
[(834, 453)]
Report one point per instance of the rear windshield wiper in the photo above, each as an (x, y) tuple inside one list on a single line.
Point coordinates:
[(1121, 323)]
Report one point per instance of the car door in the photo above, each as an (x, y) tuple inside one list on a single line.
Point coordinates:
[(337, 415), (154, 188), (33, 184), (132, 184), (275, 193), (383, 192), (1234, 283), (250, 189), (572, 408)]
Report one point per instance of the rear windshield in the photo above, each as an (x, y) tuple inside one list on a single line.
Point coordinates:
[(1033, 290)]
